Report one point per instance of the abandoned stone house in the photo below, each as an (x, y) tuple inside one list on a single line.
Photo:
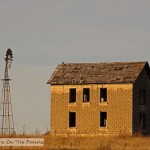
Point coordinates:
[(100, 98)]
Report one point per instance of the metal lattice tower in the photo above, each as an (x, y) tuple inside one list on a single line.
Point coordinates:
[(6, 120)]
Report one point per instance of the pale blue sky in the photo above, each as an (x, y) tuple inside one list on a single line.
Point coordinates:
[(45, 33)]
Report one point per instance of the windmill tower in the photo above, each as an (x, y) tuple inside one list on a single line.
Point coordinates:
[(6, 115)]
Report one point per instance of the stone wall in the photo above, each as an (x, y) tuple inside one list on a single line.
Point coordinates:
[(142, 82), (118, 108)]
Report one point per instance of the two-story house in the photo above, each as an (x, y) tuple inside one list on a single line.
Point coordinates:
[(100, 98)]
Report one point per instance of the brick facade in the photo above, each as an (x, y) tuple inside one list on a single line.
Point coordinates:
[(118, 108)]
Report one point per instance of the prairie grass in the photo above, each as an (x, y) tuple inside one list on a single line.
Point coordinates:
[(57, 142)]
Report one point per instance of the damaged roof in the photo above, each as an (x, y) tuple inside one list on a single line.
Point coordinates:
[(93, 73)]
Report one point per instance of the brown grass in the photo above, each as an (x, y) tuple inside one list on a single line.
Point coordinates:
[(88, 143)]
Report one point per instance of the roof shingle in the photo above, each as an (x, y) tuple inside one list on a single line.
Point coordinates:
[(93, 73)]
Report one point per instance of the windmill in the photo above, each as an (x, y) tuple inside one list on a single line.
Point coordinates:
[(6, 115)]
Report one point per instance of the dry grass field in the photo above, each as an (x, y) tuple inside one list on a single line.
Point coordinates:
[(88, 143)]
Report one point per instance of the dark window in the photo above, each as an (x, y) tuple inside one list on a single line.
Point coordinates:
[(86, 95), (72, 95), (103, 95), (72, 119), (103, 119), (142, 96), (142, 121)]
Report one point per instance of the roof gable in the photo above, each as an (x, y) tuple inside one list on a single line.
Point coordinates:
[(93, 73)]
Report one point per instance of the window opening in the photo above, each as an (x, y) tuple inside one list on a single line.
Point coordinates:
[(86, 95), (72, 95), (72, 119), (103, 119), (142, 96), (103, 95), (142, 121)]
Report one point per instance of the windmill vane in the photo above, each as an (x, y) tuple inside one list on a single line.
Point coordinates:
[(9, 53)]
